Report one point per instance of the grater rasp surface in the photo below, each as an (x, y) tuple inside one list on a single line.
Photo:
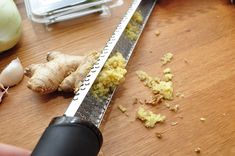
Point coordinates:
[(93, 109)]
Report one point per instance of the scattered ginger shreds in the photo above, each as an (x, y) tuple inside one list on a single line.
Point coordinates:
[(166, 58), (122, 108), (167, 74), (150, 102), (157, 32), (168, 77), (142, 113), (165, 89), (149, 118), (158, 135), (186, 61), (178, 94), (180, 116), (162, 87), (111, 75), (146, 79), (197, 150), (142, 75), (174, 123), (167, 71), (157, 98), (202, 119), (157, 79), (167, 105), (174, 108)]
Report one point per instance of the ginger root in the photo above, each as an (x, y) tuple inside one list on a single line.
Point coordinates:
[(62, 71), (73, 81)]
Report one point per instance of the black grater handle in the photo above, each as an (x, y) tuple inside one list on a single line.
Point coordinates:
[(69, 136)]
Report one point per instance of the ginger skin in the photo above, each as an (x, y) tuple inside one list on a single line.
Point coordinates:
[(56, 73), (73, 81)]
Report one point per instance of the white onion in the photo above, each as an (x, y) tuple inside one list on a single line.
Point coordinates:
[(12, 74), (10, 25)]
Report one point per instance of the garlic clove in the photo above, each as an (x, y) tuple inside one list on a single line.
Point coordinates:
[(12, 74)]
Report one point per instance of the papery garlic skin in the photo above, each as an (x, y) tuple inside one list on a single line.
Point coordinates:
[(12, 74)]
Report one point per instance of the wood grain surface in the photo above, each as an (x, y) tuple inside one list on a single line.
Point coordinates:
[(201, 32)]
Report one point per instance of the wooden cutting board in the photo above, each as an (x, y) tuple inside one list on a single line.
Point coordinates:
[(200, 34)]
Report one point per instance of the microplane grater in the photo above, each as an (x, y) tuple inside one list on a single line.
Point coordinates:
[(84, 105), (77, 131)]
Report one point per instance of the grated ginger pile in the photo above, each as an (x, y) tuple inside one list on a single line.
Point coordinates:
[(137, 17), (132, 30), (111, 75)]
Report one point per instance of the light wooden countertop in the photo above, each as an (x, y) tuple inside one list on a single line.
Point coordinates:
[(201, 32)]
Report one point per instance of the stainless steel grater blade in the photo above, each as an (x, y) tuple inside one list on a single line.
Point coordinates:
[(84, 105)]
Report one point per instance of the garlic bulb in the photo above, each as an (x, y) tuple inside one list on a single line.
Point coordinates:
[(12, 74)]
